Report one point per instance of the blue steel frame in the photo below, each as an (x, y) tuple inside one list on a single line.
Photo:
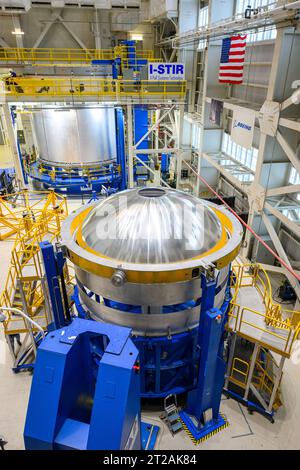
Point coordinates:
[(190, 362), (169, 364), (54, 261), (140, 115), (85, 392), (203, 403)]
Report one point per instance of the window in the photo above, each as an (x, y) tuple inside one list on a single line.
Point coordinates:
[(262, 34), (195, 136), (241, 5), (293, 215), (202, 22), (294, 177), (247, 157)]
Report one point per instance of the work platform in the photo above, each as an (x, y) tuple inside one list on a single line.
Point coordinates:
[(261, 336), (250, 322), (46, 56), (93, 90), (256, 317)]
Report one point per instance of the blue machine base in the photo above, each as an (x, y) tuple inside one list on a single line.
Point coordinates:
[(207, 431), (149, 433), (76, 184)]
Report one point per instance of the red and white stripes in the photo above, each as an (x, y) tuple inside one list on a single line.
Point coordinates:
[(232, 60)]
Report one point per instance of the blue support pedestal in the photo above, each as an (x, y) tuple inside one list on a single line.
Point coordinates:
[(121, 154), (210, 429), (202, 418), (85, 392)]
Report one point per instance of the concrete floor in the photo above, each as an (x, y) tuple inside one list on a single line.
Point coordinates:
[(245, 431)]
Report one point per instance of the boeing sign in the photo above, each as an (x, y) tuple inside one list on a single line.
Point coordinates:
[(242, 125)]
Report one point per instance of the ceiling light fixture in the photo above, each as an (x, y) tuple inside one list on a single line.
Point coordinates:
[(17, 32)]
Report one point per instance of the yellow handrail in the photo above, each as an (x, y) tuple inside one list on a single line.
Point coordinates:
[(61, 56), (91, 87), (254, 275), (45, 220)]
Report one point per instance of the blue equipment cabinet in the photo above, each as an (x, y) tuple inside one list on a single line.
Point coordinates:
[(85, 392)]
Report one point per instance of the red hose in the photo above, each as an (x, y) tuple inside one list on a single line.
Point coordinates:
[(287, 267)]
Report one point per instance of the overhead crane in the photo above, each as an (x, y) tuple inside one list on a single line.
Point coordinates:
[(126, 89)]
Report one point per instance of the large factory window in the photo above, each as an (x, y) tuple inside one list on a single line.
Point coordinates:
[(202, 22), (248, 157), (196, 136), (241, 5), (293, 214), (294, 177), (262, 34)]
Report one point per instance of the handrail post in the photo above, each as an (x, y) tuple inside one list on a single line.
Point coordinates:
[(251, 370)]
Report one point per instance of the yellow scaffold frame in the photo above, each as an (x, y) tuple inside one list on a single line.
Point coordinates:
[(43, 219), (20, 209)]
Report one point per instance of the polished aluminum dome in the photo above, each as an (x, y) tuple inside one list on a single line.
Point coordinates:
[(151, 225)]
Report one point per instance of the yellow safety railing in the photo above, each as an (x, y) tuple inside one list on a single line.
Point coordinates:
[(25, 263), (271, 328), (263, 377), (254, 275), (62, 56), (239, 371), (92, 87)]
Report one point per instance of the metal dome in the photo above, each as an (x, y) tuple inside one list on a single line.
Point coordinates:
[(151, 226)]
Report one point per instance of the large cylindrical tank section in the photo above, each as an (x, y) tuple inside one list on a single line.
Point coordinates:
[(75, 137), (139, 257)]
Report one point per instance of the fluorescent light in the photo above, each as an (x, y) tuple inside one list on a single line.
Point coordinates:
[(136, 37), (17, 32)]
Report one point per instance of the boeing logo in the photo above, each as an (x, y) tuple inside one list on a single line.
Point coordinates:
[(242, 125)]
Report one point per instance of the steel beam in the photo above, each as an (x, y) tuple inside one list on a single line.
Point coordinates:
[(152, 171), (178, 141), (276, 383), (46, 28), (224, 172), (285, 220), (19, 37), (281, 252), (290, 124), (291, 188), (71, 32), (4, 44), (289, 151), (154, 126), (251, 370)]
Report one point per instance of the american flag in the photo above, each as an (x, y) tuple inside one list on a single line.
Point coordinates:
[(232, 60)]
